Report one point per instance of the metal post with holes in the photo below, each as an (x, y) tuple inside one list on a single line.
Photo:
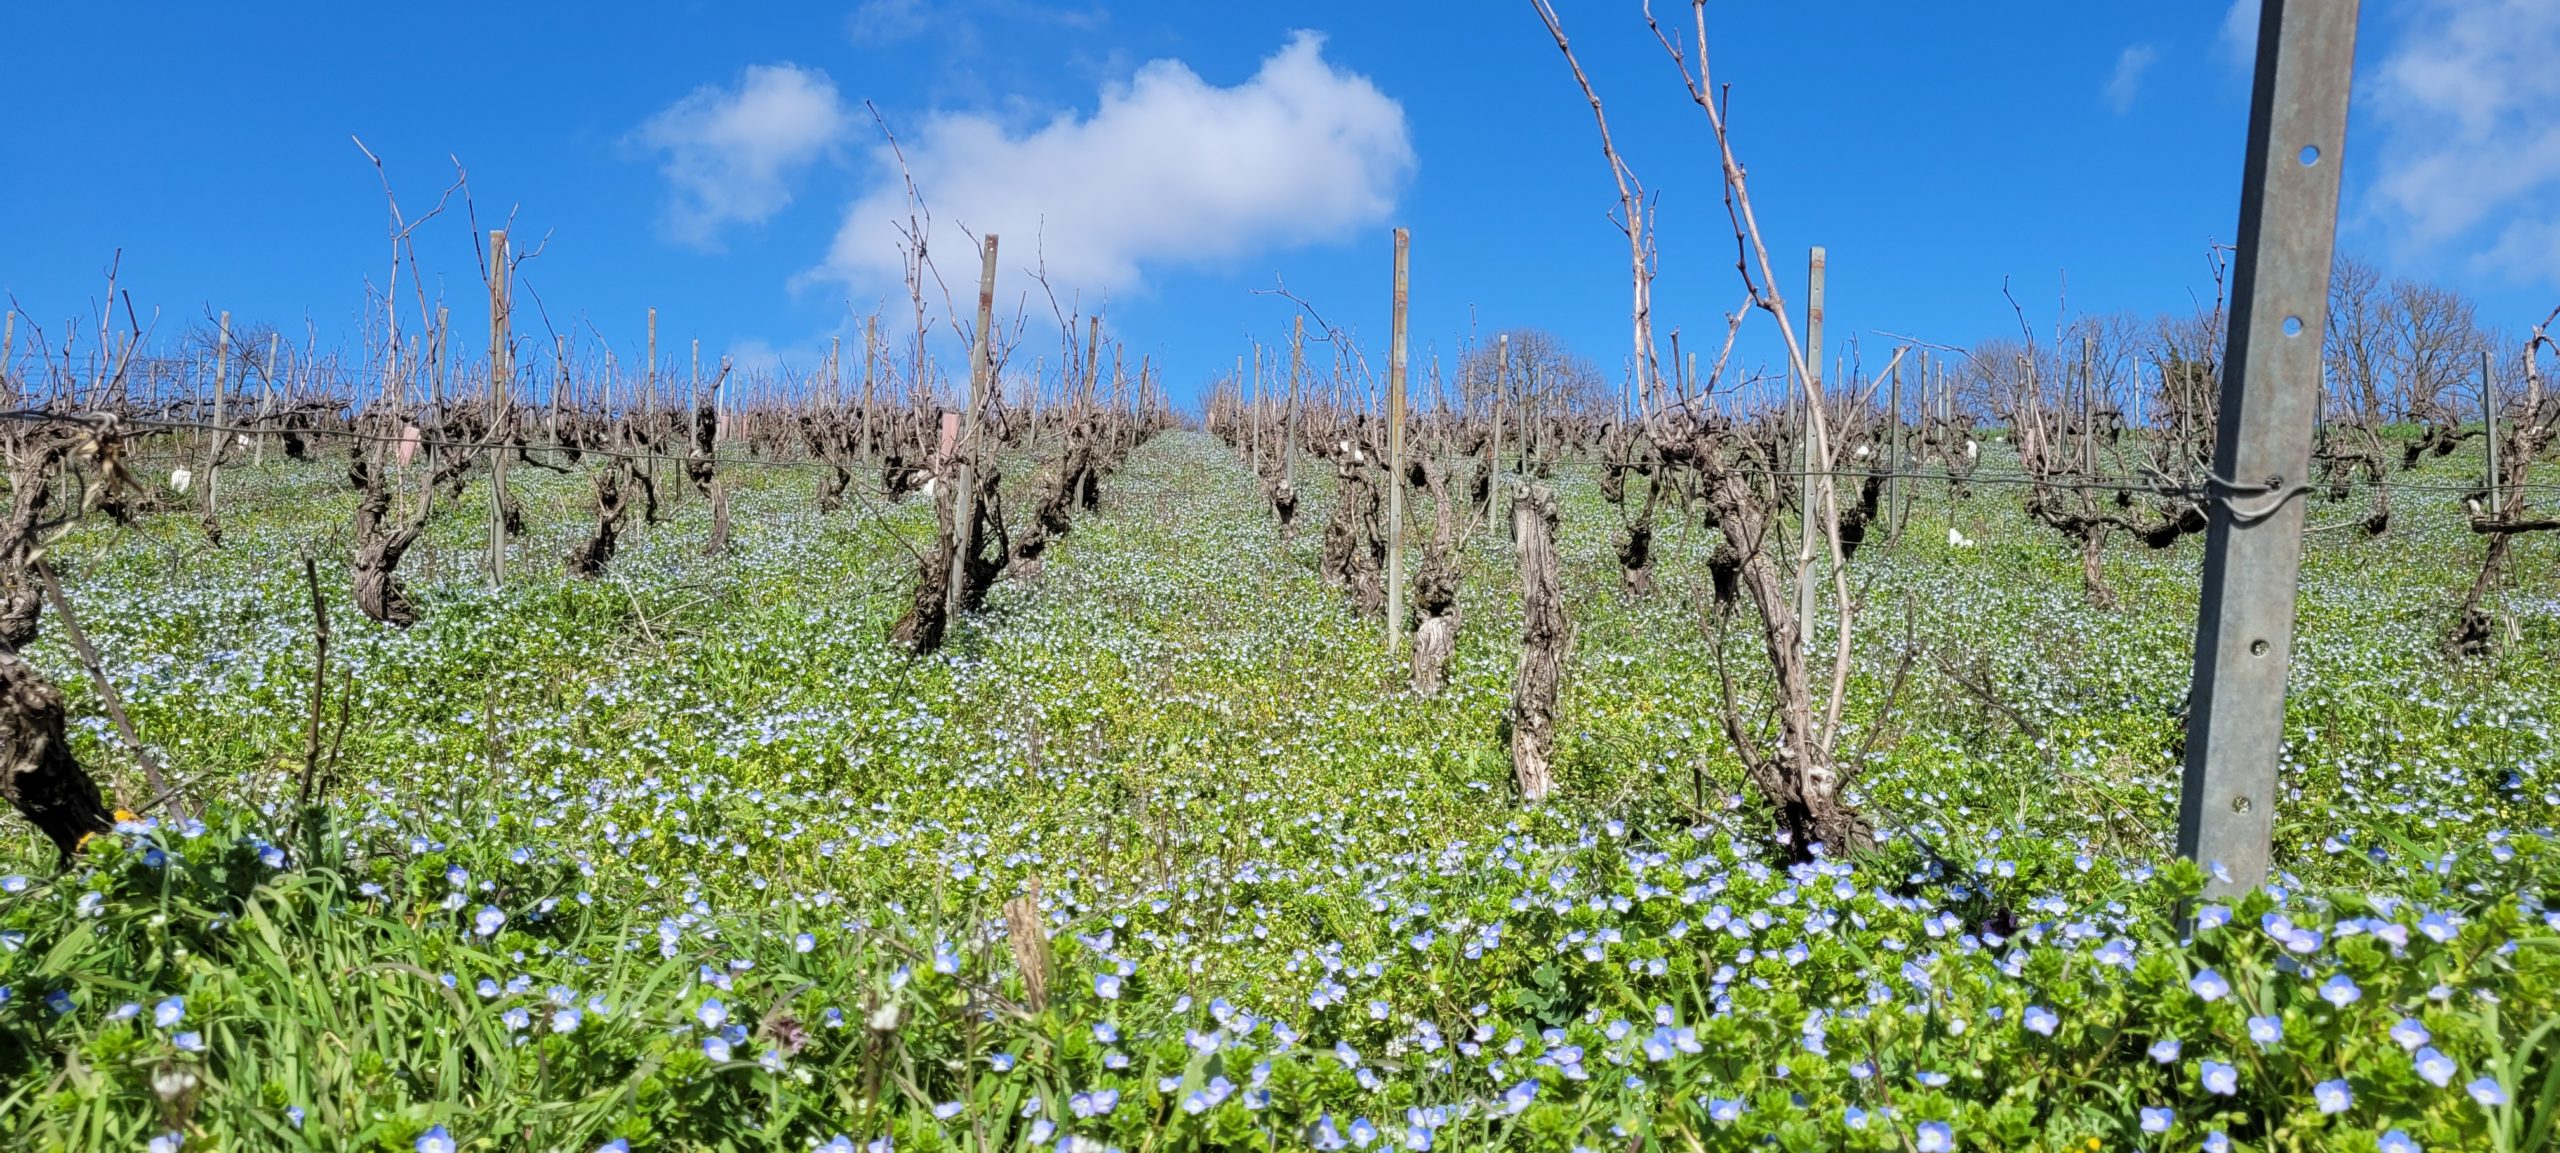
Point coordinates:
[(2262, 452)]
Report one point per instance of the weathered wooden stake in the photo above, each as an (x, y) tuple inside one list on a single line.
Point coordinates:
[(1805, 492), (500, 353), (1395, 450), (965, 501), (221, 370), (2489, 417)]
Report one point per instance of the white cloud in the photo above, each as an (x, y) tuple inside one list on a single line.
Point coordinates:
[(730, 154), (878, 22), (1168, 170), (2238, 40), (2468, 150), (2126, 82)]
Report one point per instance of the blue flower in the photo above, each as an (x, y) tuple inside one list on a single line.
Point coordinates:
[(1362, 1132), (1724, 1110), (191, 1042), (2333, 1096), (2487, 1092), (294, 1114), (2220, 1078), (2157, 1120), (2410, 1034), (1937, 1137), (618, 1145), (2210, 985), (436, 1140), (1097, 1103), (2340, 990), (2434, 1066), (488, 921), (2266, 1031), (712, 1013), (2396, 1141), (2040, 1020), (168, 1013), (1106, 986), (167, 1142), (715, 1049), (2165, 1050)]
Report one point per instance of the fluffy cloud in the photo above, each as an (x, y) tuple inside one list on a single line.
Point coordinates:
[(2126, 82), (730, 154), (2238, 40), (2467, 153), (1167, 170)]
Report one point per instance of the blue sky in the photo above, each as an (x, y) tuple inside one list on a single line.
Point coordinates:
[(716, 161)]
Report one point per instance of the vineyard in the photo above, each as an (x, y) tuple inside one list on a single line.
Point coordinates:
[(430, 750)]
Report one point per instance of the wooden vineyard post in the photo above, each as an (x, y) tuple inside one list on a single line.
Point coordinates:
[(2262, 452), (1805, 491), (964, 504), (498, 358), (221, 369), (2488, 417), (870, 376), (1893, 457), (1289, 423), (1501, 387), (1395, 448)]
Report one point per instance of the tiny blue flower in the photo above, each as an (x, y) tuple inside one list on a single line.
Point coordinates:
[(2157, 1120), (2333, 1096)]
